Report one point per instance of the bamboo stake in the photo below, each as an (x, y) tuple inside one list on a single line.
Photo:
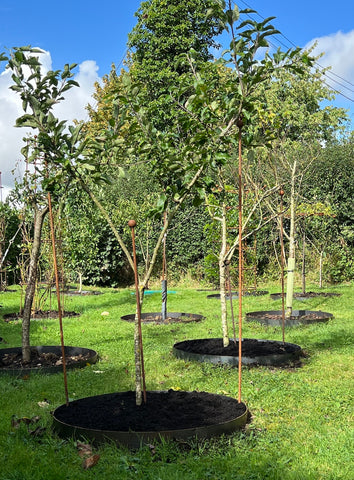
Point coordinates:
[(240, 266), (304, 259), (281, 193)]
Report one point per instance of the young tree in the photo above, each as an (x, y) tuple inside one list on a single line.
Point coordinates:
[(330, 180), (50, 150), (299, 127)]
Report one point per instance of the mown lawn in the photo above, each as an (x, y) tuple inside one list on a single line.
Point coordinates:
[(301, 426)]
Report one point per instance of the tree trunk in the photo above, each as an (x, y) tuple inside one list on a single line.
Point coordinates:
[(39, 216), (304, 263), (291, 258), (321, 270), (139, 366), (222, 272), (80, 281)]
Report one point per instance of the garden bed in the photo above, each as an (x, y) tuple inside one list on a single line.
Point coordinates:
[(40, 315), (171, 317), (44, 359), (168, 414), (251, 293), (83, 293), (305, 296), (254, 351), (298, 317)]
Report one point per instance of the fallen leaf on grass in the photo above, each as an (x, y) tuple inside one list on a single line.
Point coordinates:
[(152, 449), (223, 392), (15, 422), (90, 462), (84, 449), (37, 432)]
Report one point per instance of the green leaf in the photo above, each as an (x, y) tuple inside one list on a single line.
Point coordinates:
[(26, 121)]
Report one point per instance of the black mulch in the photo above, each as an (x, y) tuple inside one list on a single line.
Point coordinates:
[(40, 315), (163, 411), (13, 360), (250, 347)]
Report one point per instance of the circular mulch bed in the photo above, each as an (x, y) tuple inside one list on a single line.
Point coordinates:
[(227, 296), (153, 292), (172, 317), (39, 315), (207, 289), (254, 351), (252, 293), (298, 317), (44, 359), (83, 293), (305, 296), (168, 414)]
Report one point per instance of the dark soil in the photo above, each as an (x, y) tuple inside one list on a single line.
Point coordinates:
[(163, 411), (83, 293), (304, 315), (40, 359), (208, 289), (250, 347), (251, 293), (227, 296), (40, 315), (156, 317), (308, 295)]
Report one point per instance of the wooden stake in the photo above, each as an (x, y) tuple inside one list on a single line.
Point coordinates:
[(281, 193), (240, 266)]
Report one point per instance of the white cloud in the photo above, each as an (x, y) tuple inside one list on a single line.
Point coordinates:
[(73, 107), (76, 99), (338, 54)]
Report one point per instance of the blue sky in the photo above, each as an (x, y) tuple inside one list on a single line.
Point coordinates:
[(75, 30), (94, 35)]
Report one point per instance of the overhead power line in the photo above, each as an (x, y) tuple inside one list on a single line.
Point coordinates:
[(326, 73)]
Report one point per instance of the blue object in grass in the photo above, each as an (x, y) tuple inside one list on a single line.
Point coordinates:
[(150, 292)]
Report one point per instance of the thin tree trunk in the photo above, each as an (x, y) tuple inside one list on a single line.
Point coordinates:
[(80, 281), (222, 271), (31, 282), (321, 270), (138, 358), (303, 263), (138, 366), (291, 258)]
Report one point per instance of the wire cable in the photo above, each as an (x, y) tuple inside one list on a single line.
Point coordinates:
[(323, 69)]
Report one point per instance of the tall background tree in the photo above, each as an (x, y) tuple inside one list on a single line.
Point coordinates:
[(165, 30)]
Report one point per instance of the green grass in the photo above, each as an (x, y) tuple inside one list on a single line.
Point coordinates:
[(301, 417)]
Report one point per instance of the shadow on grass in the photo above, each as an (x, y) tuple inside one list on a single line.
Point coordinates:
[(336, 340), (88, 303)]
